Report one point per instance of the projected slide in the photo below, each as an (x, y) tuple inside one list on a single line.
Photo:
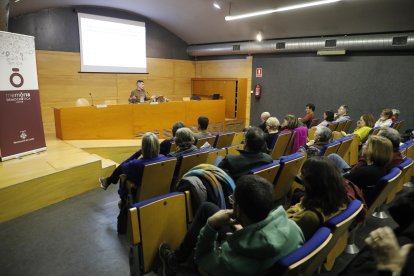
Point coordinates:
[(111, 45)]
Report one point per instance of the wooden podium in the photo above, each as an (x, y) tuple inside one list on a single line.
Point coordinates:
[(128, 121)]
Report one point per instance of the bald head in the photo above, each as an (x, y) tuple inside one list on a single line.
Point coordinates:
[(265, 116)]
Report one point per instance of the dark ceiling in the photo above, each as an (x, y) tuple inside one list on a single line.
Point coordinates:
[(198, 22)]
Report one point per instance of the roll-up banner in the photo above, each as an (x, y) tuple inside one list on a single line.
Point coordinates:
[(21, 127)]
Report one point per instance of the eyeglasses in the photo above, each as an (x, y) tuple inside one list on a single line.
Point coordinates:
[(231, 199)]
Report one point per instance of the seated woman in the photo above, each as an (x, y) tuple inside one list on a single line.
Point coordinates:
[(364, 126), (149, 152), (385, 119), (272, 126), (165, 145), (291, 123), (318, 174), (328, 117), (378, 153), (184, 139)]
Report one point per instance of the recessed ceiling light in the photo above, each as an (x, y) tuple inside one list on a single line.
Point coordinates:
[(288, 8), (259, 37), (217, 5), (15, 1)]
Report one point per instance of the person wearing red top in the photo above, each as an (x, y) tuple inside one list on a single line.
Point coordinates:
[(310, 109)]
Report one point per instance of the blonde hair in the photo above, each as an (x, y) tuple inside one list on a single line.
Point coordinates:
[(150, 146), (273, 123), (184, 137), (379, 150)]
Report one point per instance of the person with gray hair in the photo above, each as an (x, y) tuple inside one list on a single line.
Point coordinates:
[(264, 116), (149, 151), (323, 136), (395, 115), (184, 139)]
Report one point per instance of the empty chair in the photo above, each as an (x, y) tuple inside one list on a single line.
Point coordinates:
[(280, 144), (405, 167), (289, 168), (339, 225), (202, 140), (268, 171), (160, 172), (224, 140), (347, 126), (330, 148), (147, 231), (306, 259)]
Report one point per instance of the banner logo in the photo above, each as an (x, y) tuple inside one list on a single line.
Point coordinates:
[(17, 97), (18, 76)]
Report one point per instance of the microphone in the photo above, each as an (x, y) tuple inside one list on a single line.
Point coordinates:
[(90, 94)]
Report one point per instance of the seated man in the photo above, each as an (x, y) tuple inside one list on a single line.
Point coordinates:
[(323, 136), (165, 145), (265, 235), (264, 116), (310, 109), (202, 127), (184, 139), (342, 114), (252, 156)]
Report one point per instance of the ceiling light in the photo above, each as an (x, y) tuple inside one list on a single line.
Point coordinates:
[(288, 8), (15, 1), (331, 52), (217, 5), (259, 37)]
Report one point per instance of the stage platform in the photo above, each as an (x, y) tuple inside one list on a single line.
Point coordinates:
[(64, 170)]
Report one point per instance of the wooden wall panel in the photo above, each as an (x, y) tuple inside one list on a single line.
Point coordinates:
[(61, 84), (233, 68)]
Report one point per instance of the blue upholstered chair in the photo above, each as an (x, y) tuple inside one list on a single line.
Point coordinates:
[(330, 148), (345, 145), (405, 167), (339, 225), (268, 171), (306, 259), (147, 232)]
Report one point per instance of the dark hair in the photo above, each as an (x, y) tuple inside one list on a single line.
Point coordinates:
[(254, 195), (311, 106), (176, 127), (255, 139), (140, 81), (324, 188), (369, 120), (203, 122), (292, 121), (329, 115)]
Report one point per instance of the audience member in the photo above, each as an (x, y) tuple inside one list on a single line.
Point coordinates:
[(323, 136), (272, 126), (395, 115), (265, 235), (324, 197), (252, 156), (165, 145), (184, 139), (328, 117), (264, 116), (202, 127), (139, 95), (378, 153), (385, 118), (150, 152), (342, 114), (310, 109), (364, 126), (291, 123)]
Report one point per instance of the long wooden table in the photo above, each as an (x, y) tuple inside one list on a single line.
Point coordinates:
[(127, 121)]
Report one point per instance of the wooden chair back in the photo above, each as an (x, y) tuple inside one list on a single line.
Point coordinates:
[(397, 125), (224, 140), (333, 126), (268, 172), (314, 123), (289, 168), (347, 126), (202, 140), (147, 231), (234, 149), (343, 149), (213, 154), (330, 148), (238, 138), (280, 145), (191, 160), (289, 146), (405, 167), (341, 126)]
